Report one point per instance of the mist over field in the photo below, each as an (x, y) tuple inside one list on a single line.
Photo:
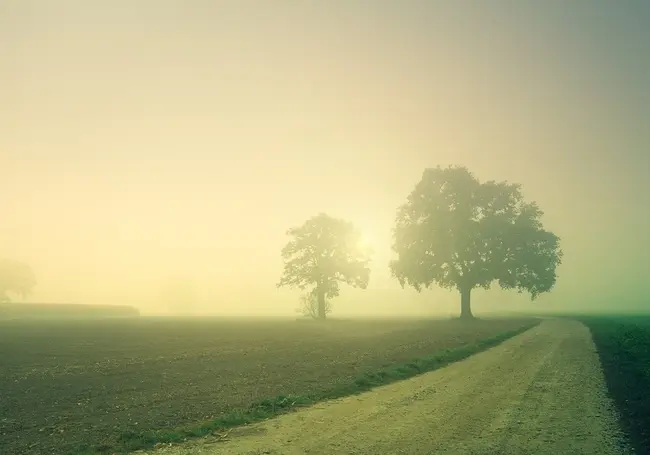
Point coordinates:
[(156, 152)]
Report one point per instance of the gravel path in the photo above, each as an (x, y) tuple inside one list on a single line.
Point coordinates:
[(541, 392)]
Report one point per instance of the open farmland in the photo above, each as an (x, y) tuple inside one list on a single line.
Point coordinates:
[(95, 385)]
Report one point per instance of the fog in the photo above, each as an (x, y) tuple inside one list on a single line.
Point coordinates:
[(145, 143)]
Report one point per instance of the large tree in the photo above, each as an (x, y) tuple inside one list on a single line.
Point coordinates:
[(461, 234), (15, 277), (322, 253)]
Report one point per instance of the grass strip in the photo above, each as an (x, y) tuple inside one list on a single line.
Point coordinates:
[(132, 441), (623, 344)]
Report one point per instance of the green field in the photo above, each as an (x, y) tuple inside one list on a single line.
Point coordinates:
[(623, 344), (112, 386)]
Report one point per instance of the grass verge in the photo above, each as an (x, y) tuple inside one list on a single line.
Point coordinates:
[(131, 441), (623, 345)]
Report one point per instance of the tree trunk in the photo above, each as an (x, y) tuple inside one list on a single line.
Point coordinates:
[(321, 304), (465, 308)]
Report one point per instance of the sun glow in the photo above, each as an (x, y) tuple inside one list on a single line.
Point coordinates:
[(367, 241)]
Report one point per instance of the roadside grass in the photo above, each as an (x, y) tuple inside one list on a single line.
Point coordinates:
[(265, 409), (623, 344)]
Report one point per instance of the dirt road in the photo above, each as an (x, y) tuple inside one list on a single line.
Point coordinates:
[(541, 392)]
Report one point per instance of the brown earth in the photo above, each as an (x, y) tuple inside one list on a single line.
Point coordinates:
[(69, 385)]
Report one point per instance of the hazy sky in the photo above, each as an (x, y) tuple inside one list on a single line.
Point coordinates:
[(142, 140)]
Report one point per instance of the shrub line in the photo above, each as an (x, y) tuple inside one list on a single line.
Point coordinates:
[(271, 407)]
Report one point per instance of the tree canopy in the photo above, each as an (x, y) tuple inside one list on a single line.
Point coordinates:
[(322, 253), (15, 277), (459, 233)]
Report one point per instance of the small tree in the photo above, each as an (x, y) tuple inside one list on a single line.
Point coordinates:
[(460, 233), (15, 277), (179, 295), (309, 305), (322, 253)]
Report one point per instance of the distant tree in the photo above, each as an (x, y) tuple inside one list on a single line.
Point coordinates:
[(460, 233), (179, 295), (309, 305), (322, 253), (15, 277)]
